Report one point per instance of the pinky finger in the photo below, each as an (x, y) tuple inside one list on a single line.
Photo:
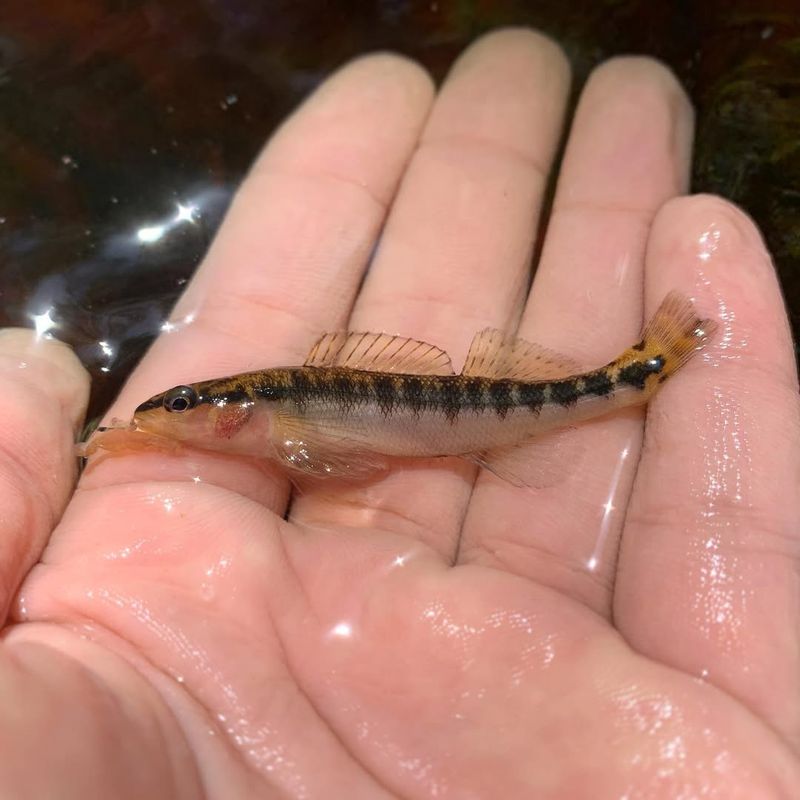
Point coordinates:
[(43, 394)]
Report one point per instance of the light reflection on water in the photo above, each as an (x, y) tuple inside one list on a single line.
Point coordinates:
[(107, 292), (613, 503)]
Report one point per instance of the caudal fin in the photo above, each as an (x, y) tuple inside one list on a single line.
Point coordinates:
[(677, 331)]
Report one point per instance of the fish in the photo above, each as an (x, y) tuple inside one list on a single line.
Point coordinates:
[(362, 400)]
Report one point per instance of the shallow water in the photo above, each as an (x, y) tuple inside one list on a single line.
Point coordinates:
[(126, 127)]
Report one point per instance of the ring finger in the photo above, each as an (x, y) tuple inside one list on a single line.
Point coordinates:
[(455, 255), (628, 153)]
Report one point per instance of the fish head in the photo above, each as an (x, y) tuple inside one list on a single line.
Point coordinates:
[(199, 415)]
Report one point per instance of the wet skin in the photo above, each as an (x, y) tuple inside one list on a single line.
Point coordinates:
[(190, 629)]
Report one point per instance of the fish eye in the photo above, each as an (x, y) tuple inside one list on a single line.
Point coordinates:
[(180, 399)]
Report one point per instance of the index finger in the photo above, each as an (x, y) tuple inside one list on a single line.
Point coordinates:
[(289, 257)]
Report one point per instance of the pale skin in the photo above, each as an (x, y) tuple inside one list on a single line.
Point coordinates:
[(628, 632)]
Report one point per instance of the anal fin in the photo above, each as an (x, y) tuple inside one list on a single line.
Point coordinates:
[(537, 463)]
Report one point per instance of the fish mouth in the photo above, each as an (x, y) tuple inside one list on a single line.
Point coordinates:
[(92, 427), (99, 437), (118, 425)]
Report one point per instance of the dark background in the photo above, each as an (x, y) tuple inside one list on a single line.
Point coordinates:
[(114, 112)]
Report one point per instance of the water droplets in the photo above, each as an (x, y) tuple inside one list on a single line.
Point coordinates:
[(171, 326), (722, 598), (212, 577), (611, 509), (167, 502), (185, 214), (44, 322), (207, 591), (148, 234), (22, 607), (341, 630), (708, 243), (229, 100)]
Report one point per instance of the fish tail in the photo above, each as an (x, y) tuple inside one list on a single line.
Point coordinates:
[(676, 331)]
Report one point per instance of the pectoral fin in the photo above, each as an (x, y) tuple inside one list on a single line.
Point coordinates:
[(304, 450)]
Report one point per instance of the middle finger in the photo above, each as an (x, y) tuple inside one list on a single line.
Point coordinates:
[(455, 256)]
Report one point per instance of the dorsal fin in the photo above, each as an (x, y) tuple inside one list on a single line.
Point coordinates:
[(325, 349), (379, 352), (495, 354)]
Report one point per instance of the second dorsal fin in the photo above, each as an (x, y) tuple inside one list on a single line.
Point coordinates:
[(379, 352), (495, 354)]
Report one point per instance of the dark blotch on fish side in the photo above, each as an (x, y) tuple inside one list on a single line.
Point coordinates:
[(237, 395), (345, 391), (413, 394), (300, 382), (279, 387), (532, 396), (272, 384), (500, 394), (565, 393), (385, 393), (598, 383), (344, 385), (450, 398), (473, 393), (636, 374), (271, 391)]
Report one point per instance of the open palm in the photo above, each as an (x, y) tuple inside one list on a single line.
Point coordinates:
[(191, 629)]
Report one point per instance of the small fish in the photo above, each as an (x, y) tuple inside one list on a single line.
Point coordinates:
[(362, 399)]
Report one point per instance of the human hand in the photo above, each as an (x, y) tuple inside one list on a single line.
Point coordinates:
[(629, 632)]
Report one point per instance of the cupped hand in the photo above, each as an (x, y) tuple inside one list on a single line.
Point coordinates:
[(191, 628)]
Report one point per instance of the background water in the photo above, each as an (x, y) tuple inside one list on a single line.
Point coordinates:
[(125, 126)]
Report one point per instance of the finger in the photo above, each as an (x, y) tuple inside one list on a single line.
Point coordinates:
[(628, 152), (456, 252), (289, 257), (708, 575), (44, 394)]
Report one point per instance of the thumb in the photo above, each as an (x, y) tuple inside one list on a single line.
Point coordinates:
[(43, 395)]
